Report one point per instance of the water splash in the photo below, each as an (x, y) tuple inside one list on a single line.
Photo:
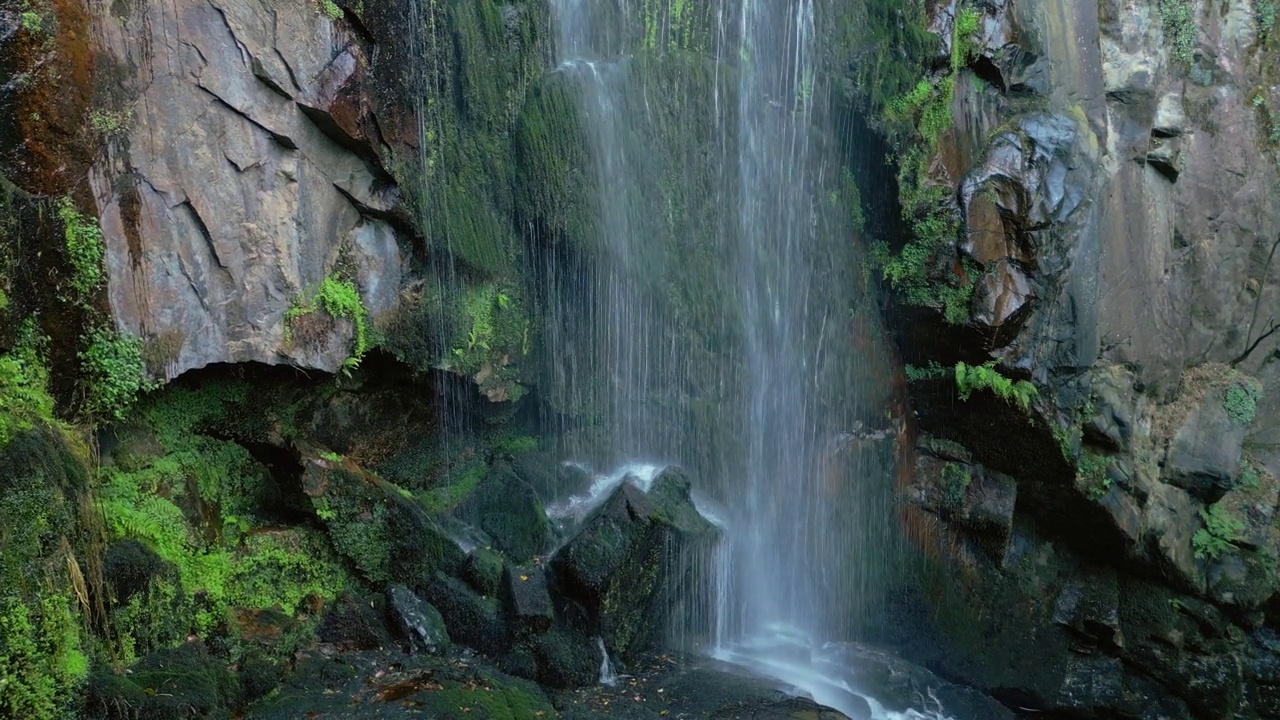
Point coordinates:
[(607, 674)]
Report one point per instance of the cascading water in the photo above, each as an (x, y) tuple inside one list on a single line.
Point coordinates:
[(718, 319)]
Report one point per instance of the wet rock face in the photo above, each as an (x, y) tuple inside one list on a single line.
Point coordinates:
[(629, 554), (420, 623), (241, 169)]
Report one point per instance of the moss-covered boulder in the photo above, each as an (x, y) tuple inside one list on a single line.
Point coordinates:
[(183, 682), (475, 621), (506, 508), (43, 527), (629, 556), (379, 527)]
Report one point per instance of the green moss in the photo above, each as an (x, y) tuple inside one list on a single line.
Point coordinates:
[(42, 665), (84, 249), (43, 657), (1265, 16), (956, 479), (114, 373), (1241, 400), (330, 8), (1179, 28), (1091, 474), (449, 493)]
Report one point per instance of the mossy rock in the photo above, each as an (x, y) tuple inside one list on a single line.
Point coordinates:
[(630, 555), (483, 571), (182, 682), (510, 512), (381, 528), (472, 620), (43, 483)]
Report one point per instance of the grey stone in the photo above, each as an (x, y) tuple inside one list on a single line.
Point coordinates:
[(1204, 455), (228, 203), (526, 599), (418, 620)]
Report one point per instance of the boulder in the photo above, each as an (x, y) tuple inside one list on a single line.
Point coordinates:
[(629, 554), (483, 571), (472, 620), (420, 623), (352, 624), (526, 600), (1204, 455), (506, 508), (379, 527)]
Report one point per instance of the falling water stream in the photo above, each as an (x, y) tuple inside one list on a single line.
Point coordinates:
[(718, 325)]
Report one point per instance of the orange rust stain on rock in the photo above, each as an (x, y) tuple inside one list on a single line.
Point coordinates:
[(54, 153)]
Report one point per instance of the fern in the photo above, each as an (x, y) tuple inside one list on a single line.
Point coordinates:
[(985, 377)]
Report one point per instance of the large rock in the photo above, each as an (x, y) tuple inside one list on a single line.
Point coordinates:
[(237, 171), (420, 623), (1204, 455), (630, 553), (506, 508), (379, 527)]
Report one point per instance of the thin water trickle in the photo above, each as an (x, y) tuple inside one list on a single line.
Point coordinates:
[(607, 674)]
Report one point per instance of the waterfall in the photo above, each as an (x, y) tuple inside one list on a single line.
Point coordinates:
[(718, 319)]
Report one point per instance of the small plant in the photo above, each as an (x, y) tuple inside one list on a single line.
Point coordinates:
[(1241, 401), (331, 9), (1265, 15), (933, 372), (340, 299), (1179, 28), (985, 377), (1220, 530), (114, 372), (84, 248), (32, 22), (962, 46), (1250, 478), (1091, 472), (956, 479), (108, 122), (331, 456)]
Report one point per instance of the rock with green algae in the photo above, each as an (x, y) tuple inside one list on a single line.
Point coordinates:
[(391, 686), (381, 528), (43, 488), (182, 682), (630, 554), (483, 571), (506, 508)]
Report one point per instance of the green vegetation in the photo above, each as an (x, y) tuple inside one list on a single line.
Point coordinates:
[(1265, 15), (196, 502), (1221, 529), (956, 479), (1250, 477), (1241, 400), (32, 21), (340, 299), (1091, 473), (933, 372), (84, 249), (985, 377), (110, 122), (114, 373), (1179, 28), (24, 395), (449, 493), (42, 664), (331, 9), (924, 270), (43, 659)]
